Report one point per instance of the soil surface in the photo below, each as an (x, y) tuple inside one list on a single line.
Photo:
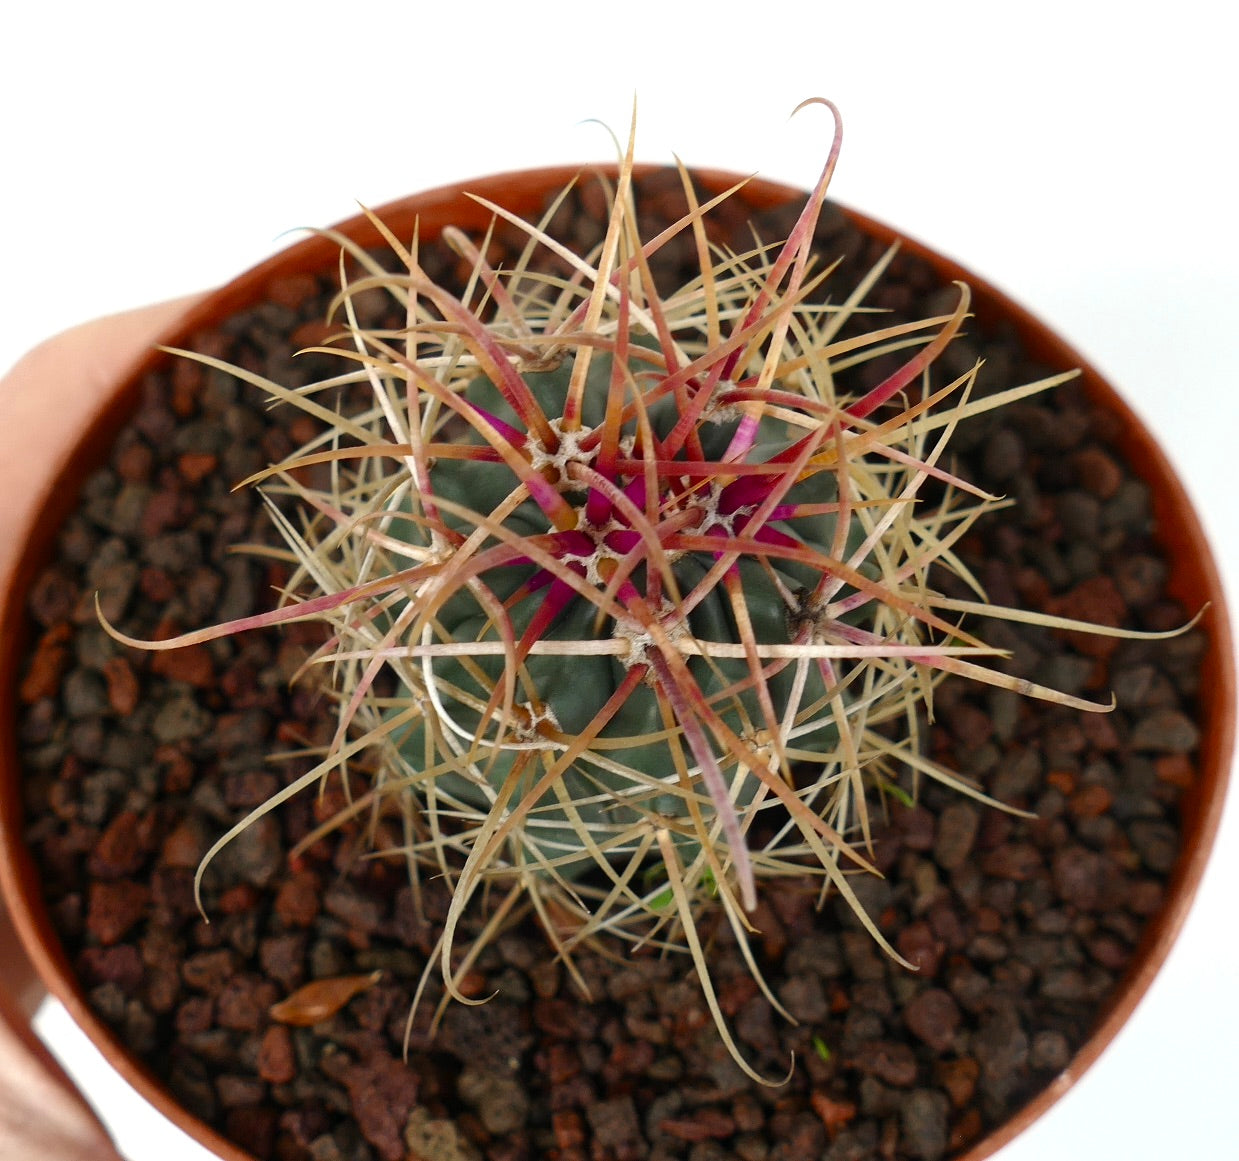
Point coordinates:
[(1021, 927)]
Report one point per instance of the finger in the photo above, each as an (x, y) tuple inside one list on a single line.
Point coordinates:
[(47, 401), (41, 1113), (51, 396)]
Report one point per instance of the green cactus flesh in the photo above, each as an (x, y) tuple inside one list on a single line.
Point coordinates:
[(630, 773)]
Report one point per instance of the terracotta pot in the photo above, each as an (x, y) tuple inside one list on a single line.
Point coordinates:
[(81, 431)]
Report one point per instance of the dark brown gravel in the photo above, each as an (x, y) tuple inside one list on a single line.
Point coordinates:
[(1020, 928)]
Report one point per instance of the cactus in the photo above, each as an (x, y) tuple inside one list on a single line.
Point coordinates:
[(629, 601)]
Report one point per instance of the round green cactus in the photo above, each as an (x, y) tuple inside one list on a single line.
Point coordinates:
[(629, 778), (652, 590)]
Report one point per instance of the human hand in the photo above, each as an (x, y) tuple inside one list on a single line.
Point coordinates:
[(42, 1117), (49, 397), (45, 402)]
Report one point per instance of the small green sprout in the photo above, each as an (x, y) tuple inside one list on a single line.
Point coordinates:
[(895, 791)]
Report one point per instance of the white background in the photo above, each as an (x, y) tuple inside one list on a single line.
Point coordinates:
[(1080, 155)]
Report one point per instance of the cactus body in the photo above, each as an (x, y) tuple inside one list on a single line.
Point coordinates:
[(625, 781), (653, 586)]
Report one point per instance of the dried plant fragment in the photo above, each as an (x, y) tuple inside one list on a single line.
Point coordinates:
[(319, 1000)]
